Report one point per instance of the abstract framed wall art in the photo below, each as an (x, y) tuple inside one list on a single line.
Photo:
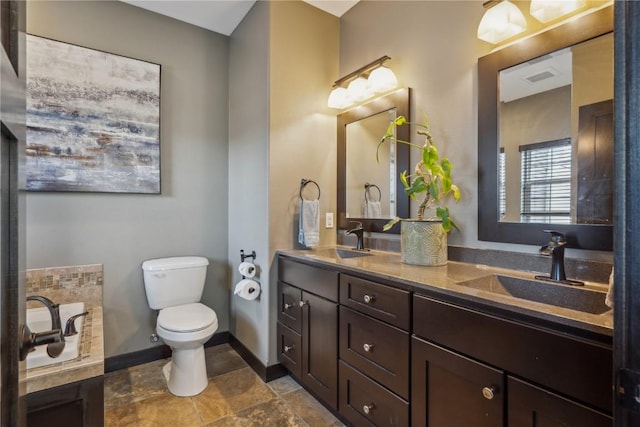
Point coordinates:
[(93, 120)]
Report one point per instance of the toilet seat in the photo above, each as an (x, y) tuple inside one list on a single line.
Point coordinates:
[(187, 318)]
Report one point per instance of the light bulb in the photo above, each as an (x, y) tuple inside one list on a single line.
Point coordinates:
[(500, 22), (382, 79), (359, 89), (547, 10), (339, 98)]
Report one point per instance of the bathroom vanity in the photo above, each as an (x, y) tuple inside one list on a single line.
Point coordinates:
[(384, 343)]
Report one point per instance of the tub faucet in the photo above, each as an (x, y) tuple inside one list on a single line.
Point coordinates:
[(70, 327), (359, 232), (55, 348), (555, 249)]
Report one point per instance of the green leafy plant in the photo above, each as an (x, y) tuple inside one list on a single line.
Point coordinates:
[(430, 182)]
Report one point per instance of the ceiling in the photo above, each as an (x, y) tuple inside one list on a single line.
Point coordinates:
[(223, 16)]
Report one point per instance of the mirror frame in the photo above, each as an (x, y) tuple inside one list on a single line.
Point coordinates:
[(582, 236), (401, 100)]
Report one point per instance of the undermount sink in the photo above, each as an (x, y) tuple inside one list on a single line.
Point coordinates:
[(39, 320), (559, 295), (342, 253)]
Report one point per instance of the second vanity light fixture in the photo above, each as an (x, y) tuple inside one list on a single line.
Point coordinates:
[(504, 19), (362, 84)]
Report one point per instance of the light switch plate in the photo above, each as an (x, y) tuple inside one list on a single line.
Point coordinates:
[(328, 220)]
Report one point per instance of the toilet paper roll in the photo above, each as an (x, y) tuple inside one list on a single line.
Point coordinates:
[(247, 269), (247, 289)]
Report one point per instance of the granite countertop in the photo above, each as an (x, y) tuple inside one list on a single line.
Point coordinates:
[(448, 282), (89, 364)]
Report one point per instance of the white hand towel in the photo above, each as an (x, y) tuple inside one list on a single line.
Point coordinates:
[(609, 298), (309, 226), (373, 209)]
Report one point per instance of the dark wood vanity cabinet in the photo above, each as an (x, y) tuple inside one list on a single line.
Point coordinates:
[(467, 365), (374, 353), (380, 355), (308, 327)]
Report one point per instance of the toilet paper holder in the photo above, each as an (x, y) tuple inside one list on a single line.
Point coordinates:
[(243, 256)]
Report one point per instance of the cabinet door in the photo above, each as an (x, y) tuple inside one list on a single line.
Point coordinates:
[(450, 390), (530, 406), (320, 347)]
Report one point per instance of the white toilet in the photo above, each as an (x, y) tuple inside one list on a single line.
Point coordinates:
[(174, 286)]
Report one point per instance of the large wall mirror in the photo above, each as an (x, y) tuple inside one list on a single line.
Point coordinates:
[(545, 136), (369, 191)]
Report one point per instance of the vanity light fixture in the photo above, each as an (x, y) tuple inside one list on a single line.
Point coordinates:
[(362, 84), (548, 10), (502, 20)]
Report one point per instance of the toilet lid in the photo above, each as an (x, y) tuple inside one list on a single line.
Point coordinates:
[(186, 318)]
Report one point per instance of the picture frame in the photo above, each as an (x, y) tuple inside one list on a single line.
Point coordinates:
[(93, 120)]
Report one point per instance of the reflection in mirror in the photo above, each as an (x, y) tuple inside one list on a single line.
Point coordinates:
[(556, 156), (370, 192), (513, 211), (370, 186)]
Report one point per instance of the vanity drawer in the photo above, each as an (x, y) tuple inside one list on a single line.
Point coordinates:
[(311, 279), (364, 403), (377, 349), (570, 365), (382, 302), (290, 350), (289, 310)]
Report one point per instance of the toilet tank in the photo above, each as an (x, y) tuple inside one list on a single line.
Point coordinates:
[(174, 281)]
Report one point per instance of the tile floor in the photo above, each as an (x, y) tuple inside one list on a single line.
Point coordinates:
[(235, 396)]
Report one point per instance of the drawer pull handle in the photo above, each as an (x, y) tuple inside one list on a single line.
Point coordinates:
[(368, 299), (489, 392), (368, 348), (302, 303), (287, 306), (368, 408), (287, 348)]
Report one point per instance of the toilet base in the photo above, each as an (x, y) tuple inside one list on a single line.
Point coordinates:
[(186, 373)]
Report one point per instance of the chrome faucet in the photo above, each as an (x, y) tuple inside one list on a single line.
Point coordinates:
[(57, 346), (359, 232), (555, 249)]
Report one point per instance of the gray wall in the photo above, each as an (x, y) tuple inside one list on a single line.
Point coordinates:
[(122, 230), (283, 60), (249, 178)]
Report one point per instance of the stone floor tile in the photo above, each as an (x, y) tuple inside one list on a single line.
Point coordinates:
[(222, 359), (283, 385), (273, 413), (135, 384), (241, 389), (160, 411), (211, 405), (310, 410)]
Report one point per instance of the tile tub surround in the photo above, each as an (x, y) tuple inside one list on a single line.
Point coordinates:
[(235, 396), (66, 285)]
